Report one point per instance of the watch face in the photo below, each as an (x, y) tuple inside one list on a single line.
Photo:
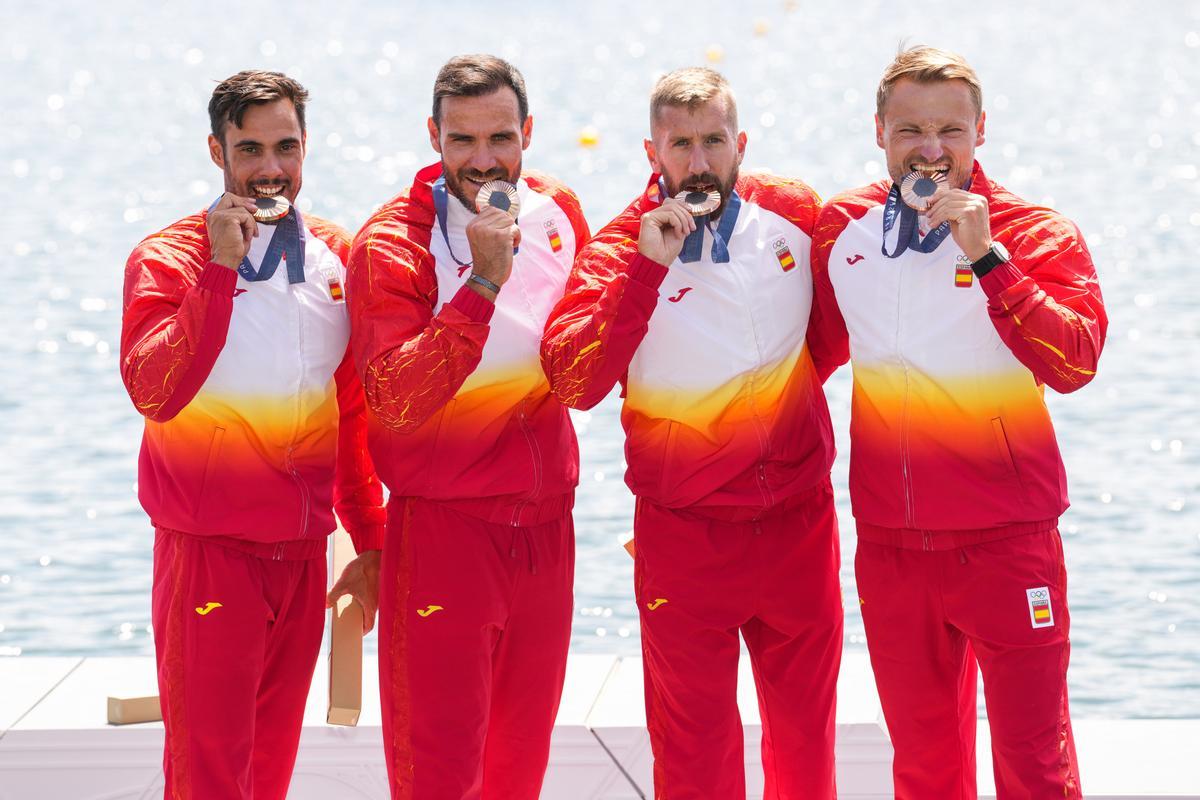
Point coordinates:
[(999, 250)]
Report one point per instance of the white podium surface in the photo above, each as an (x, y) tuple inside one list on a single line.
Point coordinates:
[(55, 743)]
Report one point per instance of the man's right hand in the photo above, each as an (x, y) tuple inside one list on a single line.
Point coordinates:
[(663, 231), (231, 226), (493, 235)]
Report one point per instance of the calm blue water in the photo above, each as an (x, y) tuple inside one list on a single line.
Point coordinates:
[(102, 142)]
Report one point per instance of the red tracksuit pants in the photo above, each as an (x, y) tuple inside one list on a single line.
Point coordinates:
[(474, 625), (699, 583), (931, 616), (237, 629)]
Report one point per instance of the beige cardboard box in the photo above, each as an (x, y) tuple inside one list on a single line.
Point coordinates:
[(345, 644)]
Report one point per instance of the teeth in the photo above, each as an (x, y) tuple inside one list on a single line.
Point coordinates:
[(263, 191)]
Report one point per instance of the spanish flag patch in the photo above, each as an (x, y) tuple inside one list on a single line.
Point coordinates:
[(1041, 615), (963, 276), (786, 259), (552, 235)]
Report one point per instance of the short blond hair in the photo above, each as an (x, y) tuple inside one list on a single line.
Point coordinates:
[(925, 64), (692, 87)]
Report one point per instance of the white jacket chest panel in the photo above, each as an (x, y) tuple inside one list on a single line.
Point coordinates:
[(539, 276), (909, 309), (716, 322), (284, 338)]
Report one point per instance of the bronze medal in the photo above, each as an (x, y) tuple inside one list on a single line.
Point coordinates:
[(918, 188), (501, 195), (271, 209), (699, 204)]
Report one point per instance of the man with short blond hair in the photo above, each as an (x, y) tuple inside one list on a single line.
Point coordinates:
[(698, 305), (449, 295), (958, 303)]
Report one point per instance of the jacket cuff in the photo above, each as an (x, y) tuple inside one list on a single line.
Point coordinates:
[(218, 279), (368, 538), (473, 305), (647, 272), (999, 279)]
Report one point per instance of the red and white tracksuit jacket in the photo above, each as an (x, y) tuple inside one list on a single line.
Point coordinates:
[(255, 433), (254, 417), (957, 483), (728, 445), (481, 462), (724, 412), (949, 430)]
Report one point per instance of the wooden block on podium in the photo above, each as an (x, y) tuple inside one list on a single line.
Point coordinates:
[(130, 710), (345, 644)]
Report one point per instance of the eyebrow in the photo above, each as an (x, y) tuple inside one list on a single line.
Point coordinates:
[(244, 142)]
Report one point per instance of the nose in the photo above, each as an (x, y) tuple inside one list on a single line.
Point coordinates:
[(931, 147), (697, 162), (481, 159)]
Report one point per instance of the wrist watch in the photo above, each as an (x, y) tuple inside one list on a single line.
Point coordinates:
[(995, 256)]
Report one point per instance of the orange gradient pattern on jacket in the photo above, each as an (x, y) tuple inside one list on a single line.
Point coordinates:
[(241, 431)]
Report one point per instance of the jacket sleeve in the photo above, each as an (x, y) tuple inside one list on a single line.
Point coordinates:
[(1045, 303), (173, 325), (828, 340), (357, 492), (595, 329), (411, 360)]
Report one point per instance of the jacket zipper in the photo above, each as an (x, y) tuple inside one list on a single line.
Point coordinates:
[(535, 455), (291, 462), (905, 466), (764, 439)]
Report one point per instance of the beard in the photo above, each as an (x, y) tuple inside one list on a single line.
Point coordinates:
[(457, 182), (704, 181)]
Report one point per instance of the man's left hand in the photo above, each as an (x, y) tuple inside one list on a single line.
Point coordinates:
[(967, 214), (360, 580)]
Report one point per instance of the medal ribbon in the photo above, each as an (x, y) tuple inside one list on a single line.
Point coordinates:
[(908, 238), (693, 245), (287, 243), (441, 200)]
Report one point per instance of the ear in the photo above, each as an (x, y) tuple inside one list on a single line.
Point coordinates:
[(979, 128), (879, 131), (215, 151), (652, 155), (435, 138), (741, 146), (527, 132)]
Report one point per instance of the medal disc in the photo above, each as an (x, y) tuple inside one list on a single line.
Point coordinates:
[(917, 188), (271, 209), (699, 204), (501, 195)]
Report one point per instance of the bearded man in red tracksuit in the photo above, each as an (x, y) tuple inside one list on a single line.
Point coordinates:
[(702, 319), (959, 312), (480, 458), (234, 346)]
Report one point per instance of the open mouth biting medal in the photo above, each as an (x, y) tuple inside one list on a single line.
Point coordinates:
[(271, 209), (917, 188), (501, 195), (699, 204)]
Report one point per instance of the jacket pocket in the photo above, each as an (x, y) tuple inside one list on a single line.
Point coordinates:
[(666, 476), (210, 469), (1005, 451)]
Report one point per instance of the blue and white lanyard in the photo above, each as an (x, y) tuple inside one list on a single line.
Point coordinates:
[(287, 243), (693, 245), (908, 237), (441, 202)]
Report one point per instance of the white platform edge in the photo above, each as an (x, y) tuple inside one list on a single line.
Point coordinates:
[(55, 743)]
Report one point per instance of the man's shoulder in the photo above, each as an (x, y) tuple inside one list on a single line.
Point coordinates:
[(857, 202), (545, 183), (334, 236), (181, 243), (775, 191), (1019, 217)]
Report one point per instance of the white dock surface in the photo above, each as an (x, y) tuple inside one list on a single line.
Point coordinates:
[(55, 743)]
